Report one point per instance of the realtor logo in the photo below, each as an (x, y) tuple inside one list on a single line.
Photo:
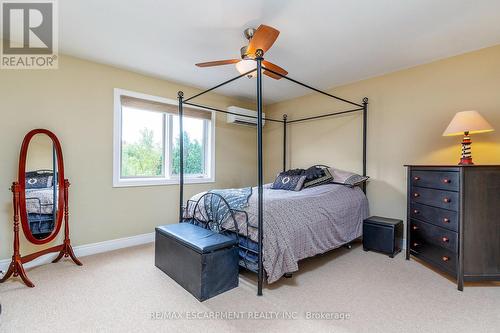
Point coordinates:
[(29, 35)]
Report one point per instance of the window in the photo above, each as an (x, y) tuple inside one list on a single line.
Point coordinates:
[(146, 141)]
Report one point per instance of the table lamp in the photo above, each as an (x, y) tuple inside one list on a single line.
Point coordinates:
[(466, 123)]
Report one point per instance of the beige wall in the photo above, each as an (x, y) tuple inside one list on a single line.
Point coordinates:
[(76, 103), (408, 112)]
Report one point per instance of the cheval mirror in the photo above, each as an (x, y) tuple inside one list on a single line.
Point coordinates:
[(40, 199)]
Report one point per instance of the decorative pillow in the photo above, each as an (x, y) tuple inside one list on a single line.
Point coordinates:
[(289, 183), (317, 176), (38, 179), (314, 172), (293, 172), (350, 179)]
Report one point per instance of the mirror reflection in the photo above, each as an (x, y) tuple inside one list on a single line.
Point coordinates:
[(41, 186)]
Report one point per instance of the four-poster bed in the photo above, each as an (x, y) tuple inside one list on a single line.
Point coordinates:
[(359, 107)]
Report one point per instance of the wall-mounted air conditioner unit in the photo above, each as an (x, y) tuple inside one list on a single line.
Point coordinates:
[(241, 119)]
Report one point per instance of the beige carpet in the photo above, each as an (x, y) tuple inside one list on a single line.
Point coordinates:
[(119, 291)]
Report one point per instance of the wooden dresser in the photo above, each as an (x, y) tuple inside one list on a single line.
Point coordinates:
[(454, 220)]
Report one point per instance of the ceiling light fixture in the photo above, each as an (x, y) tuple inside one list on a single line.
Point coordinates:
[(246, 65)]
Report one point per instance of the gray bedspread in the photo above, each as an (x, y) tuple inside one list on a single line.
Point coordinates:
[(302, 224), (39, 200)]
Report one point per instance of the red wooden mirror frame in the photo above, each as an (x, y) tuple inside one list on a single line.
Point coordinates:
[(19, 196), (22, 186)]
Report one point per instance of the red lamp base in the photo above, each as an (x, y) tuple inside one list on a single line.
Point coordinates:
[(466, 161), (466, 158)]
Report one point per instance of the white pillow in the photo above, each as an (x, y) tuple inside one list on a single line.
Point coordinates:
[(348, 178)]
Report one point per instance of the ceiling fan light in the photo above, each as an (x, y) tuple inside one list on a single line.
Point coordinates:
[(246, 65)]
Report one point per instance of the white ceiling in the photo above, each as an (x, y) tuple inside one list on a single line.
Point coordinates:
[(323, 43)]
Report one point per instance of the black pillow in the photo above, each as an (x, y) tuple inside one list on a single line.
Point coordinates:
[(289, 183), (314, 172), (319, 176)]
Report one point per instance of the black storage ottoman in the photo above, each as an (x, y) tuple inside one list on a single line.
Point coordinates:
[(382, 234), (202, 261)]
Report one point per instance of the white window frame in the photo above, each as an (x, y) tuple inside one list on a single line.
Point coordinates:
[(167, 178)]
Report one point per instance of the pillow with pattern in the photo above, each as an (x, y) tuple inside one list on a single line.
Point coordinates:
[(348, 178), (320, 176), (288, 183)]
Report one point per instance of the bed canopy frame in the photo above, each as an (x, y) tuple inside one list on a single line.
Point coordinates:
[(358, 107)]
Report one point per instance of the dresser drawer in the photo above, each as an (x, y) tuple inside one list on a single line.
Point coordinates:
[(436, 198), (444, 180), (431, 234), (442, 258), (444, 218)]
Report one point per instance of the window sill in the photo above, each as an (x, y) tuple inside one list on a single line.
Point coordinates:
[(159, 182)]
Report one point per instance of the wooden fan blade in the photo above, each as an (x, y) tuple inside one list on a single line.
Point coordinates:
[(272, 75), (218, 63), (263, 38), (275, 68)]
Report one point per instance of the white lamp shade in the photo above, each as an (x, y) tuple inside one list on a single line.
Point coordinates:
[(467, 121), (246, 65)]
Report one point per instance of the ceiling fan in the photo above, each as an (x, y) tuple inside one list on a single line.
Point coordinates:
[(261, 38)]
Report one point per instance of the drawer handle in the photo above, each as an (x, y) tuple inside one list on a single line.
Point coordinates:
[(445, 258), (416, 195), (445, 239), (446, 181), (415, 211), (416, 244), (446, 220), (416, 178), (447, 200), (414, 227)]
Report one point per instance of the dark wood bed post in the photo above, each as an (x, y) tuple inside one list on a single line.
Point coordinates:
[(180, 96), (259, 59)]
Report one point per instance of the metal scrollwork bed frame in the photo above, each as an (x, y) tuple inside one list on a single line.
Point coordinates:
[(223, 220), (358, 107)]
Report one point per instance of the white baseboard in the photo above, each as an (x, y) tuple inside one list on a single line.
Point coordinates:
[(89, 249)]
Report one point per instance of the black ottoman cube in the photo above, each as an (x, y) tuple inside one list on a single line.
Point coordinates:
[(382, 234), (202, 261)]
